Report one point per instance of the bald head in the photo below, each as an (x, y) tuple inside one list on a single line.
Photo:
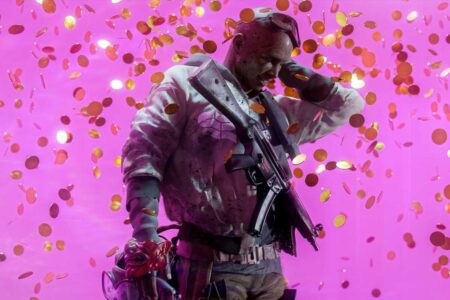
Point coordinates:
[(257, 52)]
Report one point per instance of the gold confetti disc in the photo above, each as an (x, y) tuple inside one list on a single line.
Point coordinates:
[(341, 18), (49, 6), (309, 46), (299, 159), (139, 69), (16, 174), (115, 206), (339, 220), (209, 46), (45, 229), (70, 22), (171, 109), (412, 16), (318, 61), (439, 136), (329, 40), (344, 164), (305, 6), (247, 15), (325, 195), (157, 77)]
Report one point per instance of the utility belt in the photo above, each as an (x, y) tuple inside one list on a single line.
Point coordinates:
[(197, 244)]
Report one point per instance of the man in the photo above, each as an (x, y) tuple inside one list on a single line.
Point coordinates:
[(179, 143)]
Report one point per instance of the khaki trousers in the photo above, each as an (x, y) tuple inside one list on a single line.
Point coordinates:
[(255, 287)]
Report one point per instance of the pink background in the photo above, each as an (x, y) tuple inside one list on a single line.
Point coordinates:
[(414, 200)]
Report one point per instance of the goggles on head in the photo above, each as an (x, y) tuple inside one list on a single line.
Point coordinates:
[(287, 24)]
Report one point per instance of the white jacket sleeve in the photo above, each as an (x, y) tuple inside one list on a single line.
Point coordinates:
[(321, 118), (154, 133)]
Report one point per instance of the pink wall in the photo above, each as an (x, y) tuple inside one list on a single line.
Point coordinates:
[(409, 177)]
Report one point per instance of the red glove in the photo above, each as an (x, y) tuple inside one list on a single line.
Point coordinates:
[(144, 257)]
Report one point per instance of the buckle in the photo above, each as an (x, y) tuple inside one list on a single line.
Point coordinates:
[(252, 257)]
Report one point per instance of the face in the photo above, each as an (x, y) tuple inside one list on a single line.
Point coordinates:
[(260, 56)]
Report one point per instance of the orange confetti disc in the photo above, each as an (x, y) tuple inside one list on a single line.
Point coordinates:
[(32, 162), (305, 6), (437, 238), (157, 77), (54, 210), (143, 28), (282, 5), (258, 108), (370, 202), (209, 46), (111, 52), (215, 5), (43, 62), (247, 15), (94, 108), (309, 46), (16, 29), (112, 251), (404, 69), (45, 229), (318, 27), (447, 191), (371, 98), (311, 179), (439, 136), (320, 155), (49, 6), (293, 128), (357, 120), (18, 250), (25, 275), (83, 61), (171, 109), (298, 173), (376, 293)]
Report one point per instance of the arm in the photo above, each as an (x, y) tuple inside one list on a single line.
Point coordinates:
[(153, 137), (325, 105)]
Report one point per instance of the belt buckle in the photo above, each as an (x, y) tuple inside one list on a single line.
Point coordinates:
[(251, 258)]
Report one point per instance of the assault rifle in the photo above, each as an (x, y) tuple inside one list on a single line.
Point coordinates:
[(259, 159)]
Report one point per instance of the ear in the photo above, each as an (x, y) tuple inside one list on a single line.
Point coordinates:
[(238, 41)]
